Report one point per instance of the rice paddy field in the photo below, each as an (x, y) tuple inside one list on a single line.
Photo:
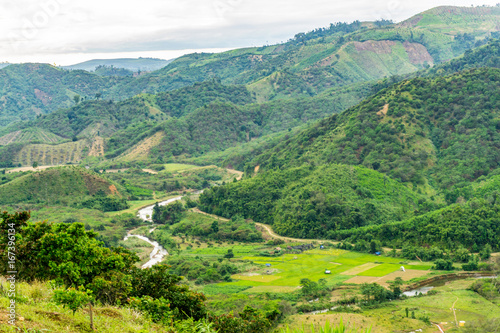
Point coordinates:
[(283, 274)]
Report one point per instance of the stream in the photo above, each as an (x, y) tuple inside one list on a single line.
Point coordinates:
[(145, 214)]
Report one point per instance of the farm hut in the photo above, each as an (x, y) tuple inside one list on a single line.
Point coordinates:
[(268, 265), (327, 271)]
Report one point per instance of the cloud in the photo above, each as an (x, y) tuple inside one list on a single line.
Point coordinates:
[(31, 29)]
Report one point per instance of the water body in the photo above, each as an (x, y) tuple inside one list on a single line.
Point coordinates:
[(438, 283), (156, 255), (147, 212), (158, 252)]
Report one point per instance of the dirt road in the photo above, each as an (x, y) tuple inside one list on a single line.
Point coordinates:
[(272, 234)]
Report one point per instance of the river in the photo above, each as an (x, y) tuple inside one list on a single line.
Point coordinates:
[(145, 214)]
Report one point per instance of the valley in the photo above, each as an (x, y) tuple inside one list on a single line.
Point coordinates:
[(293, 187)]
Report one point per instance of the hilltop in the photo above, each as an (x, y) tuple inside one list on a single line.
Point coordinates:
[(308, 64), (130, 64), (59, 186)]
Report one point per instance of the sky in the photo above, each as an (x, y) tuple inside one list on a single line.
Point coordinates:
[(66, 32)]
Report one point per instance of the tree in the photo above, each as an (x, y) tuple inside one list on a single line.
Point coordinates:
[(75, 299), (35, 165), (443, 265), (76, 99), (229, 254), (395, 286), (169, 214), (215, 227), (485, 252)]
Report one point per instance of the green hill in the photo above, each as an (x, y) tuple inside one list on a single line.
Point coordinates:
[(308, 201), (56, 186), (308, 64), (413, 131), (29, 90), (438, 135)]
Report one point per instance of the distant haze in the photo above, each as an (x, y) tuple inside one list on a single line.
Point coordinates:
[(67, 32)]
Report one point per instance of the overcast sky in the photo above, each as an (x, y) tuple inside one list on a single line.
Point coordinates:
[(70, 31)]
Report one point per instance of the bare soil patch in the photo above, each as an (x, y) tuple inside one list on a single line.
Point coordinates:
[(417, 53), (360, 269), (379, 47), (97, 147), (141, 150), (384, 110)]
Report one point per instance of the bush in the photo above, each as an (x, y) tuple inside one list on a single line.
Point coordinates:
[(443, 265)]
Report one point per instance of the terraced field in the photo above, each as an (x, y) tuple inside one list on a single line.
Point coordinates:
[(43, 154), (31, 135)]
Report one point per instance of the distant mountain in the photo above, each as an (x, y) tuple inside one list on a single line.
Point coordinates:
[(309, 64), (131, 64), (29, 90)]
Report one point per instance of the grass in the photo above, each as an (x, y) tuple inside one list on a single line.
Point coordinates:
[(40, 314), (469, 307), (138, 246), (289, 269), (138, 204), (177, 167)]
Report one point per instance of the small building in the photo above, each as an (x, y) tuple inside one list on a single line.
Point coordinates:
[(268, 265), (377, 253), (327, 271)]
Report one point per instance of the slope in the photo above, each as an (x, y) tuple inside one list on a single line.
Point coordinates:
[(28, 90), (308, 201), (443, 130), (63, 185)]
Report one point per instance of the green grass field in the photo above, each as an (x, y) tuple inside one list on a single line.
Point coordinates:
[(177, 167), (289, 269)]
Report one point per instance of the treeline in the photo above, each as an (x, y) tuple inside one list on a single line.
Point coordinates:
[(472, 225), (237, 229)]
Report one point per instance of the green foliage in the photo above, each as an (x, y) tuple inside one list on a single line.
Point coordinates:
[(62, 185), (443, 265), (313, 289), (488, 288), (106, 204), (156, 283), (168, 214), (202, 271), (447, 227), (73, 298), (327, 328), (237, 229), (310, 201), (157, 309), (420, 126)]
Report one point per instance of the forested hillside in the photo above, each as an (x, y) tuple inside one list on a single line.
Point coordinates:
[(426, 141), (413, 131)]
